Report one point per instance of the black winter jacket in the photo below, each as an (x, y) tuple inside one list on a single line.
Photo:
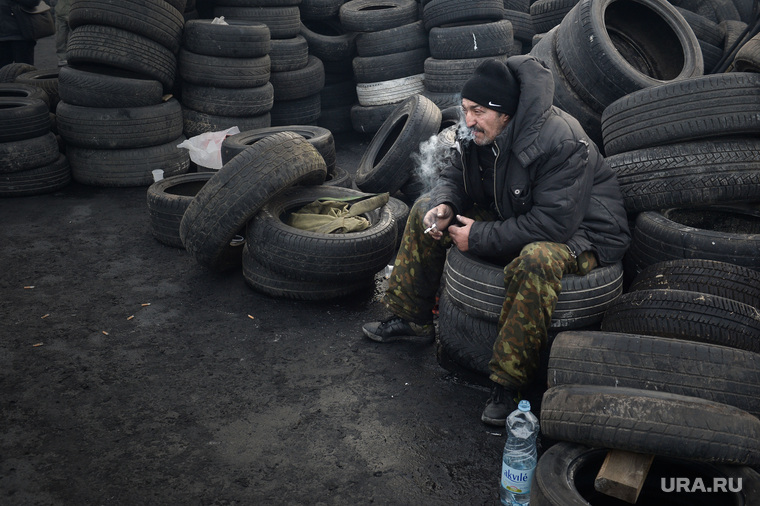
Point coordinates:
[(9, 29), (550, 181)]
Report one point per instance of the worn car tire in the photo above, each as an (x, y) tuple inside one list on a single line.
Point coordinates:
[(23, 118), (224, 71), (236, 39), (240, 189), (36, 181), (168, 200), (646, 421), (101, 86), (375, 15)]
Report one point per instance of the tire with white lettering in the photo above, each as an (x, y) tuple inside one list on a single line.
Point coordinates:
[(708, 371), (566, 472), (240, 189), (651, 422), (313, 256), (471, 41), (387, 163)]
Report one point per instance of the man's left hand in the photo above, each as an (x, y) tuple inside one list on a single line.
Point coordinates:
[(460, 233)]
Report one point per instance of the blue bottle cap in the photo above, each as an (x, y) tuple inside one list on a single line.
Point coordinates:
[(524, 405)]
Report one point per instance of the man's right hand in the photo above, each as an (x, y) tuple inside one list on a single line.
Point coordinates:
[(441, 215)]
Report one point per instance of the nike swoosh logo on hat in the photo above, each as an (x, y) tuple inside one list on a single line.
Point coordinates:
[(493, 105)]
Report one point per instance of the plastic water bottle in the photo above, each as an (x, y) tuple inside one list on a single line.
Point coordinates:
[(520, 456)]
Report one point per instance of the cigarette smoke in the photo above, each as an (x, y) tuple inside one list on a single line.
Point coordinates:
[(433, 153)]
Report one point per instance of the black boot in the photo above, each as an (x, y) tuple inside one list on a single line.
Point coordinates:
[(394, 328), (501, 403)]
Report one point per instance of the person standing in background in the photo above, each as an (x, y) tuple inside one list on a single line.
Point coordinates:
[(62, 30), (13, 46)]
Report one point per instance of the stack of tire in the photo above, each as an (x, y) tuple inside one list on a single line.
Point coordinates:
[(113, 115), (473, 294), (236, 219), (225, 71), (673, 373), (30, 159), (336, 47), (461, 36), (605, 49), (299, 76), (687, 157), (391, 49)]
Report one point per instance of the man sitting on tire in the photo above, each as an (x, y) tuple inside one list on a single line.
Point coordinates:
[(527, 188)]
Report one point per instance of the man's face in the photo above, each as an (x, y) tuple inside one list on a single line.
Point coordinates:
[(484, 123)]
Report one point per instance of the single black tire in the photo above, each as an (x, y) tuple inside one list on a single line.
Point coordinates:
[(447, 12), (651, 422), (223, 71), (23, 118), (107, 45), (465, 338), (369, 119), (119, 128), (311, 256), (682, 314), (689, 174), (101, 86), (522, 25), (284, 22), (371, 69), (20, 90), (37, 181), (252, 101), (28, 154), (47, 80), (546, 14), (119, 168), (392, 40), (168, 199), (706, 276), (471, 41), (317, 10), (388, 161), (274, 284), (376, 15), (240, 189), (321, 138), (708, 371), (448, 76), (9, 72), (393, 91), (566, 472), (692, 109), (154, 19), (197, 122), (289, 54), (477, 287), (236, 39), (299, 83), (300, 111), (329, 41), (607, 49), (725, 234)]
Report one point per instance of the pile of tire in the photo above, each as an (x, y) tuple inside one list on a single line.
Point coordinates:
[(605, 49), (296, 76), (460, 38), (31, 162), (336, 47), (225, 69), (391, 48), (117, 123), (671, 373), (686, 156)]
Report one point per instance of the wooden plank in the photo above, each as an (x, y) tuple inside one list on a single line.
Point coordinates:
[(622, 474)]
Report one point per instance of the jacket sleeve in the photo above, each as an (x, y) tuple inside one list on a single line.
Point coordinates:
[(556, 200), (450, 187)]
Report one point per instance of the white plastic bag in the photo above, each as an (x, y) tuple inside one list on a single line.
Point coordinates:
[(219, 21), (206, 149)]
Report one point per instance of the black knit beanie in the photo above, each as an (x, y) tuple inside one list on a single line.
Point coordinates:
[(494, 86)]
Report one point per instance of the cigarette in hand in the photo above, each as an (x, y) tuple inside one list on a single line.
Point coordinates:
[(432, 227)]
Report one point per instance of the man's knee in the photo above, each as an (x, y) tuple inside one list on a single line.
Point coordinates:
[(544, 259)]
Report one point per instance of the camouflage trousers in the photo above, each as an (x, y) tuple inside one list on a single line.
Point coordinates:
[(532, 281)]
